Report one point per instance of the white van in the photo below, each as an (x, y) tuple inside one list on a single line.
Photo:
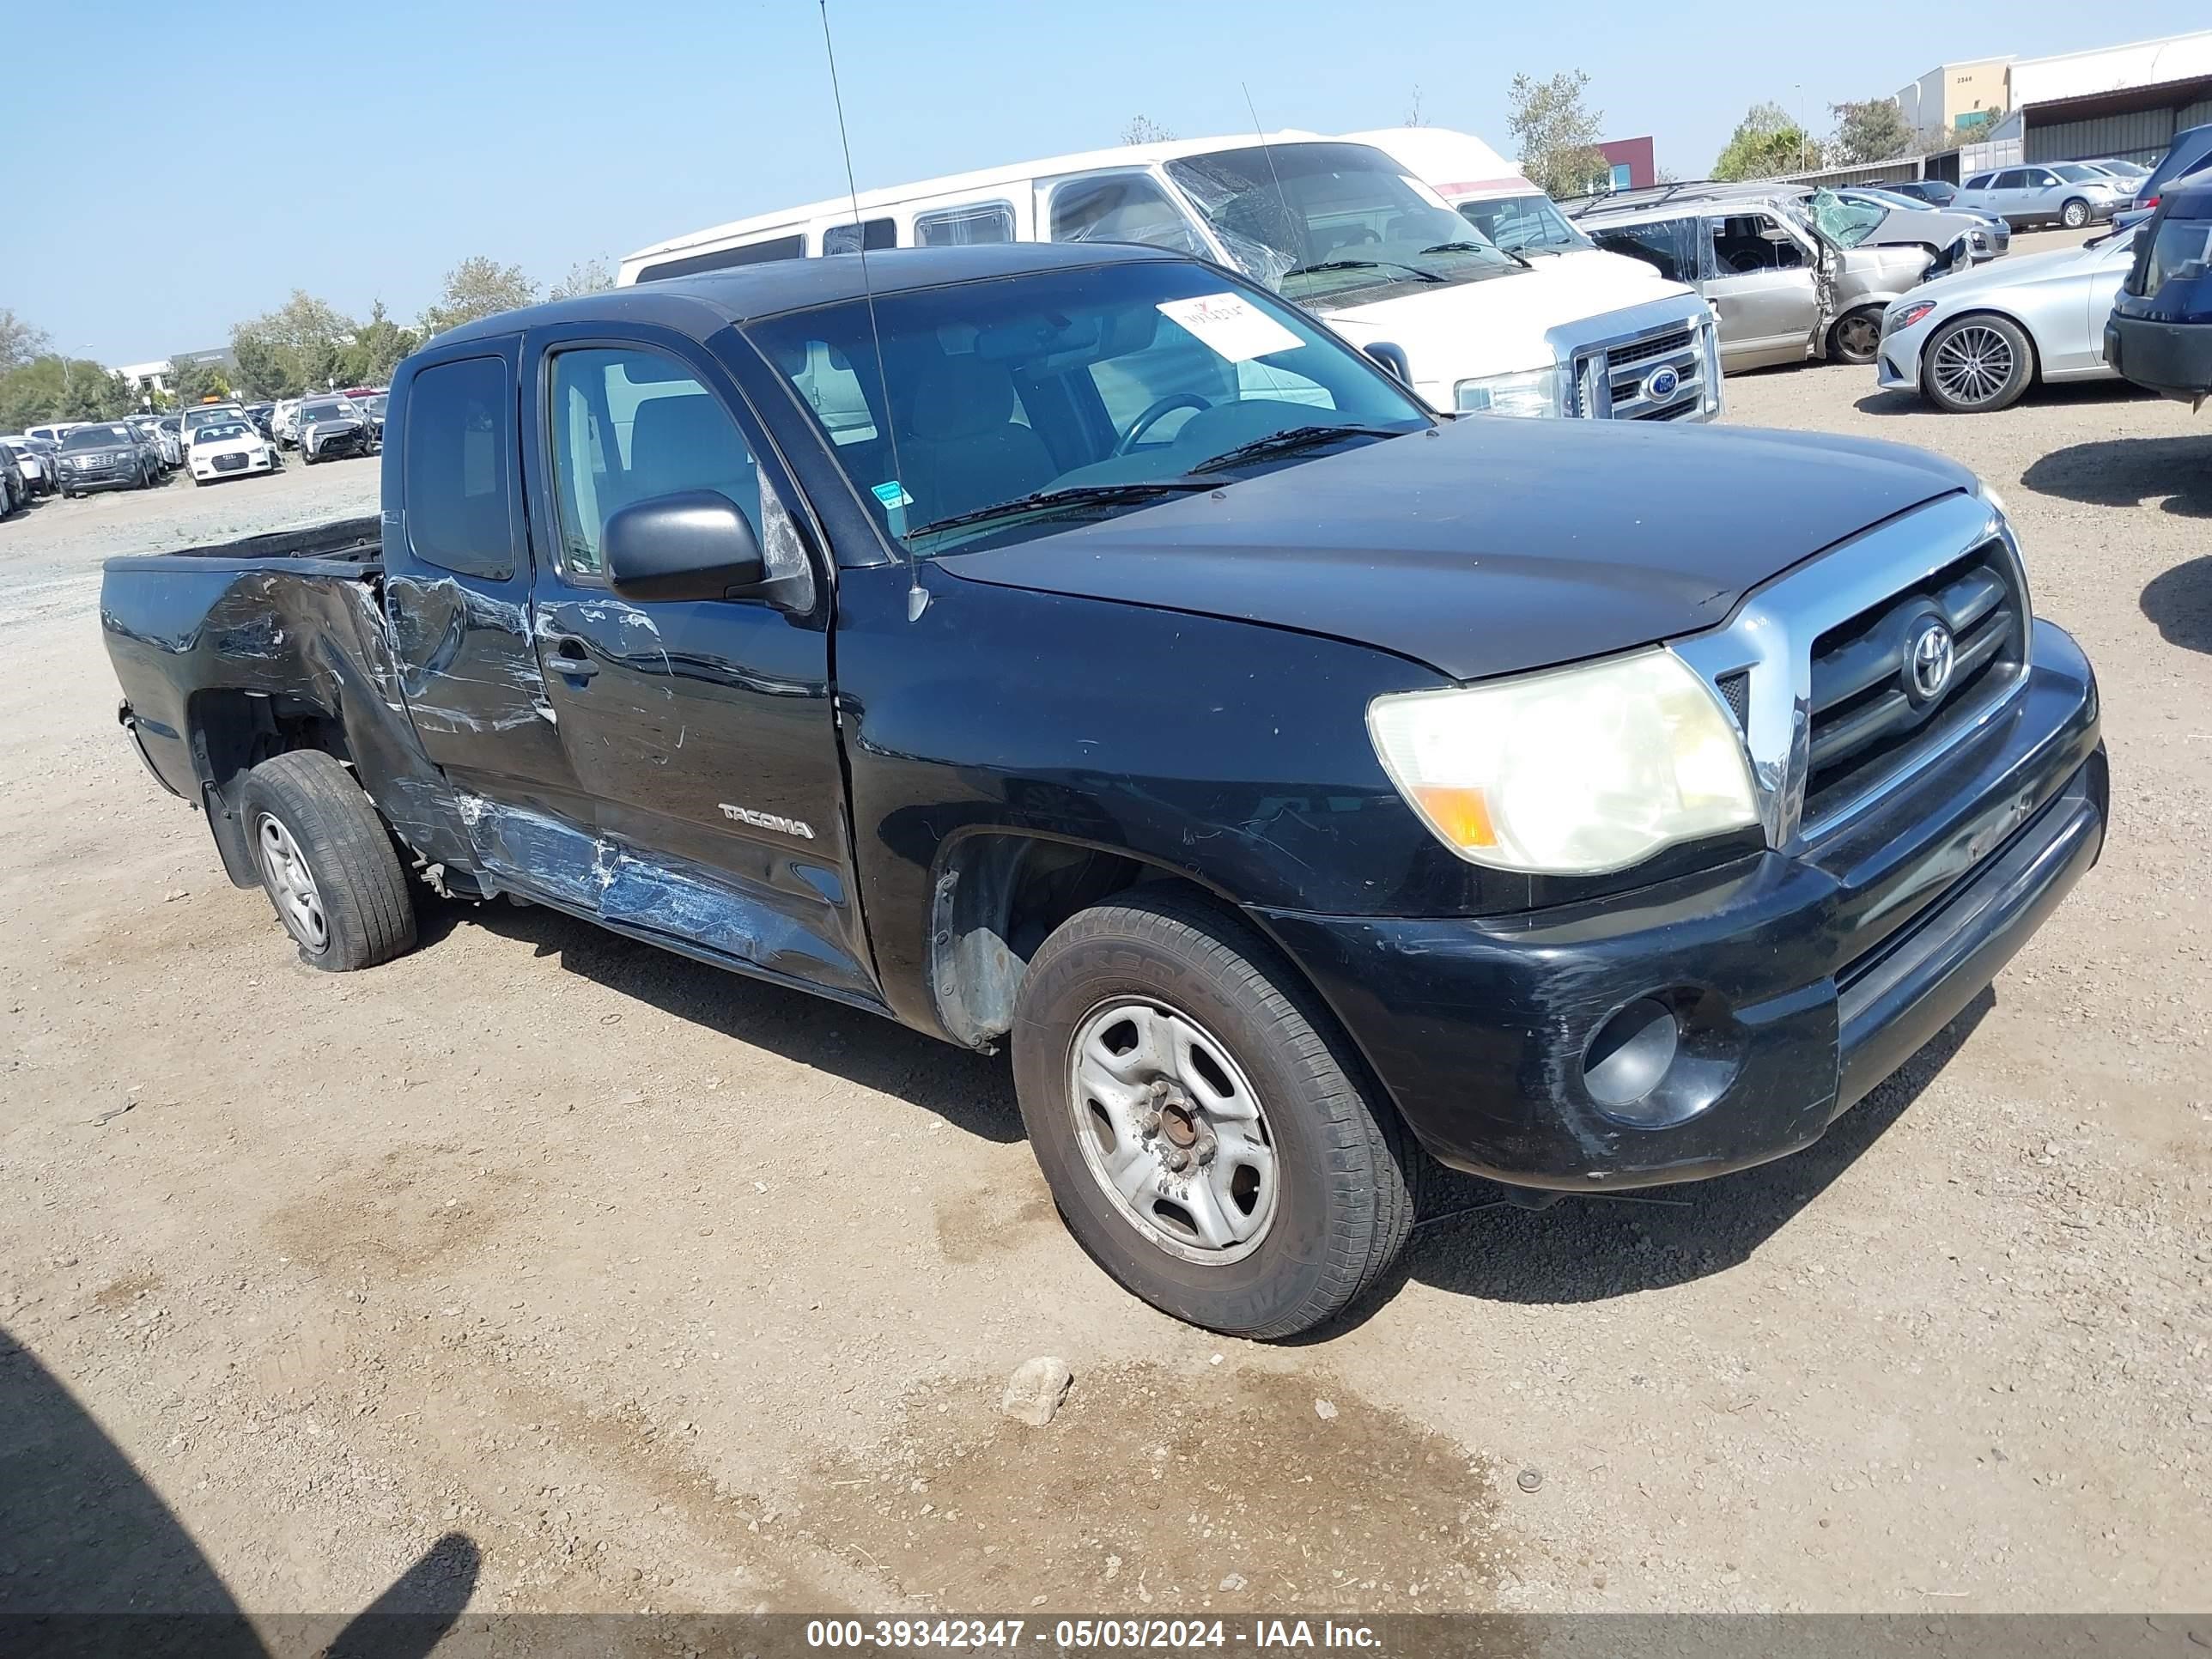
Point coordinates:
[(1341, 228)]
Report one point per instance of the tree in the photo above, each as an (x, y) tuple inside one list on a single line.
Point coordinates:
[(51, 388), (375, 350), (1767, 143), (295, 348), (1143, 129), (1874, 131), (20, 342), (1413, 116), (189, 382), (476, 288), (584, 276), (1558, 136)]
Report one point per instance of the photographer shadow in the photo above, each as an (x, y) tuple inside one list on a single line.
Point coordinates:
[(94, 1562)]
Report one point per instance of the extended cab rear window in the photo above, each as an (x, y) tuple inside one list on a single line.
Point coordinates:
[(454, 482)]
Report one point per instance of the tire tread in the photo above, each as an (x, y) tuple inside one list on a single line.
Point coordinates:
[(366, 898)]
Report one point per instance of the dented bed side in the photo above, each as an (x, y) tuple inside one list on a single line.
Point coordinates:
[(226, 656)]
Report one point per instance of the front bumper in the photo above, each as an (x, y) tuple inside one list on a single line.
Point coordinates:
[(2174, 358), (205, 470), (106, 478), (1896, 361), (1801, 981)]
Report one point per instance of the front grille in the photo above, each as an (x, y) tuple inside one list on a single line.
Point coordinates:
[(228, 463), (1614, 382), (1871, 715)]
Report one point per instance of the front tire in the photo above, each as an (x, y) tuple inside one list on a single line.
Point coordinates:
[(2075, 213), (1977, 365), (1857, 336), (1211, 1138), (326, 862)]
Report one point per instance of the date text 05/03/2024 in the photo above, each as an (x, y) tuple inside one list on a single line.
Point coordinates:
[(1259, 1636)]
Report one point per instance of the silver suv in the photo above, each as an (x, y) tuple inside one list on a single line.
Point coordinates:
[(2069, 193)]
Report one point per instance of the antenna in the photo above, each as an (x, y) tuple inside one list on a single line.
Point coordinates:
[(1290, 219), (917, 596)]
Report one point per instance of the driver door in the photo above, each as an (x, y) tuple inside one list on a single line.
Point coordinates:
[(1762, 288)]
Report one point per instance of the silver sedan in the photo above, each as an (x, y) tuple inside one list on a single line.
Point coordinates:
[(1975, 341)]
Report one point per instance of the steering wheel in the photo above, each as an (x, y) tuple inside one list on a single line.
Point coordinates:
[(1745, 261), (1355, 236), (1152, 414)]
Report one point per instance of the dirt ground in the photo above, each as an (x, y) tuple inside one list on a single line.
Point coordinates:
[(577, 1276)]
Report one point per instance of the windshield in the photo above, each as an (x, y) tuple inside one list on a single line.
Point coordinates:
[(97, 437), (2075, 173), (219, 431), (331, 410), (1119, 383), (200, 417), (1314, 220), (376, 404), (1524, 224), (1846, 223)]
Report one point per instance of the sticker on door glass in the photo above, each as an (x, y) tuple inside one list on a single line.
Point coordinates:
[(1231, 325)]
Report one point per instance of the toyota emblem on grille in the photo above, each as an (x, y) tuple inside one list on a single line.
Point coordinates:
[(1928, 664), (1661, 384)]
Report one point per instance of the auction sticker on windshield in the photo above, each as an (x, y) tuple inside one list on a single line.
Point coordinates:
[(1234, 327)]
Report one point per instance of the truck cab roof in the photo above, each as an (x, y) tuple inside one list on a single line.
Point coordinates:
[(703, 303)]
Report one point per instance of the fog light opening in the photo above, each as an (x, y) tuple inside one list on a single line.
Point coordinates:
[(1630, 1055)]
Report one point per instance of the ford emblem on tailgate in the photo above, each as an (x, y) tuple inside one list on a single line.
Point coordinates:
[(1661, 384)]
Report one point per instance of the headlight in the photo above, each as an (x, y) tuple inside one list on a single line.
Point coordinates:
[(1573, 771), (1532, 392), (1901, 317)]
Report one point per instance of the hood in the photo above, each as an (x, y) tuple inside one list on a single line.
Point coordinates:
[(1483, 549), (1498, 325), (2012, 271)]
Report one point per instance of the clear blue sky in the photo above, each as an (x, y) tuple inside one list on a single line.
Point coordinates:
[(207, 162)]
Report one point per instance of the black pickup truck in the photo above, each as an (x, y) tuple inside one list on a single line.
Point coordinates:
[(1076, 648)]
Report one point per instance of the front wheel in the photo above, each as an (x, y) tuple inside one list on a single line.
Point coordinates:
[(1977, 365), (1857, 336), (2075, 213), (1210, 1137), (326, 862)]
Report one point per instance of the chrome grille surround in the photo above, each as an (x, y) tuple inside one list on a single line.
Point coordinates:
[(1771, 639), (1607, 370)]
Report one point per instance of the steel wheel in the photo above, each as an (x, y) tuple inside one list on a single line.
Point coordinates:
[(1858, 337), (291, 884), (1172, 1131), (1973, 365)]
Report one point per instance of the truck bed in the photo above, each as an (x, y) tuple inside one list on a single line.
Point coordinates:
[(352, 547), (231, 651)]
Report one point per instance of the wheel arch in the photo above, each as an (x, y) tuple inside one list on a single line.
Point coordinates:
[(229, 731), (997, 892)]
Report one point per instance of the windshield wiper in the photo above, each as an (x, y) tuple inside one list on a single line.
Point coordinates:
[(1481, 247), (1066, 496), (1366, 265), (1291, 439)]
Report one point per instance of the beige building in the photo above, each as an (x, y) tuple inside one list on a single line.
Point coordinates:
[(1936, 103)]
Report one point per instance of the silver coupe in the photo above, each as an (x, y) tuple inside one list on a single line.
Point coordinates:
[(1974, 341)]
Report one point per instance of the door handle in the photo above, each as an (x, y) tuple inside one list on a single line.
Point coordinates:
[(571, 658)]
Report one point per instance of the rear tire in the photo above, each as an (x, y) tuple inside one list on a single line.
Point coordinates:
[(1301, 1186), (327, 862)]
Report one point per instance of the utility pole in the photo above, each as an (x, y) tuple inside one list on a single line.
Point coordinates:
[(1800, 126)]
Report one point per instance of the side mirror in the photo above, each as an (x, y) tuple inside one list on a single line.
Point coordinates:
[(694, 545), (1392, 357)]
